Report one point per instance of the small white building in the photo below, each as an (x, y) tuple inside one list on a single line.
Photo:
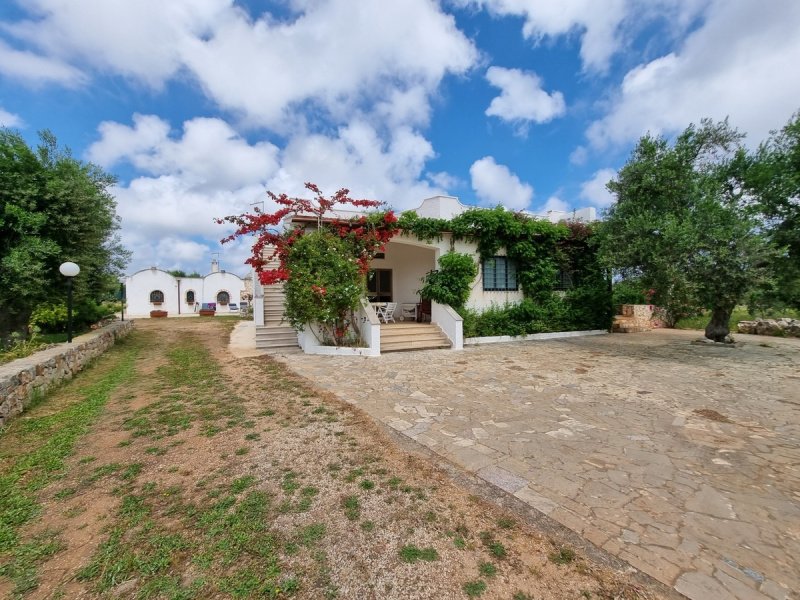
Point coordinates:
[(155, 289)]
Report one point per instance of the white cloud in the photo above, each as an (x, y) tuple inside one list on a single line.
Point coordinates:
[(10, 120), (738, 64), (522, 98), (595, 192), (579, 156), (348, 54), (496, 184), (210, 154), (554, 203), (338, 55), (359, 159), (36, 69), (110, 34), (603, 27), (444, 180)]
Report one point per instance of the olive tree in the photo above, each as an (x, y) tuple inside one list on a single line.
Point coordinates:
[(681, 222)]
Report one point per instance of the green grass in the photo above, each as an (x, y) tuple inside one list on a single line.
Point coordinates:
[(352, 507), (473, 589), (563, 556), (487, 569), (740, 313), (412, 554), (50, 440)]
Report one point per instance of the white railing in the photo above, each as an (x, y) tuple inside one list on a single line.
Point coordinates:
[(450, 322), (370, 327), (258, 301)]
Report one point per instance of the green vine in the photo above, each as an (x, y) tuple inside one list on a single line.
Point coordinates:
[(540, 250)]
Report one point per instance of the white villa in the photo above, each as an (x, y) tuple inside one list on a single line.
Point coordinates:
[(155, 289), (397, 277)]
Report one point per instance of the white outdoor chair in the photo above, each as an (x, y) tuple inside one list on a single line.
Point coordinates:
[(386, 313)]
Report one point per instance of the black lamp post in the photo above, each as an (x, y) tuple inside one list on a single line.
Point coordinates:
[(69, 270), (122, 297)]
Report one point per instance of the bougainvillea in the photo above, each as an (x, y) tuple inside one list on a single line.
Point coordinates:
[(357, 239)]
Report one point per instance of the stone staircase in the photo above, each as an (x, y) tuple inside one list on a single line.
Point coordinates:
[(635, 318), (275, 335), (399, 337)]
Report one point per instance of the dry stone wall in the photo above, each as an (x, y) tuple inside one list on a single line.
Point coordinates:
[(25, 378), (780, 327)]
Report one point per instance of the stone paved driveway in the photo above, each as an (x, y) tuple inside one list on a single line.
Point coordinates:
[(683, 460)]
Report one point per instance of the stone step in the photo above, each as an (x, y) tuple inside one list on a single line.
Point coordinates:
[(414, 345), (418, 336), (276, 337), (419, 328)]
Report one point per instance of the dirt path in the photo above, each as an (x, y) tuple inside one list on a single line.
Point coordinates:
[(206, 476)]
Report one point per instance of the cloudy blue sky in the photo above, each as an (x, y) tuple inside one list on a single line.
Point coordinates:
[(198, 106)]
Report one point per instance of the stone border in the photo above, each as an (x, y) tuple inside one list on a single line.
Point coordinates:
[(25, 378), (497, 339)]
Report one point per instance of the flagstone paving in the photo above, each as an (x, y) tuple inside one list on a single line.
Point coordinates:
[(683, 460)]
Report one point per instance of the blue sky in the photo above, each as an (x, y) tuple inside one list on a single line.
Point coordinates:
[(198, 106)]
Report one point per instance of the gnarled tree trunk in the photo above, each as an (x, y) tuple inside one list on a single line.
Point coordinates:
[(717, 328)]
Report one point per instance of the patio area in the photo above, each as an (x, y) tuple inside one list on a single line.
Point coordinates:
[(683, 460)]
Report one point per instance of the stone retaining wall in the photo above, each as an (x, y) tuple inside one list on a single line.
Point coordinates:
[(24, 378), (780, 327)]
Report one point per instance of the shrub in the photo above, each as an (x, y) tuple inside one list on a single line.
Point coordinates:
[(451, 284), (50, 318)]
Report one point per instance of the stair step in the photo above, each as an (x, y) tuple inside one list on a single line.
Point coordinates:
[(414, 345), (414, 338)]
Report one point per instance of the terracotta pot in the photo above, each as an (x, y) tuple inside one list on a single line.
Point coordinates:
[(158, 314), (207, 313)]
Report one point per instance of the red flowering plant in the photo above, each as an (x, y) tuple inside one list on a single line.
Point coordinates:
[(323, 257)]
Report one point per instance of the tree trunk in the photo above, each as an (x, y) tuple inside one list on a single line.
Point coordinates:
[(717, 328)]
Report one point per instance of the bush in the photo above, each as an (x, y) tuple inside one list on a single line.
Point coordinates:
[(629, 291), (452, 283), (578, 309), (50, 318)]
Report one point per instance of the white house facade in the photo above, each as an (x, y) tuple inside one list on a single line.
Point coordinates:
[(154, 289), (396, 276)]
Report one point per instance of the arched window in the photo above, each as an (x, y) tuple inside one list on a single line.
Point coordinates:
[(190, 297), (223, 298), (156, 296)]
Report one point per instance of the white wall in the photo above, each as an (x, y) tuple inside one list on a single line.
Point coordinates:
[(219, 282), (139, 285), (409, 264)]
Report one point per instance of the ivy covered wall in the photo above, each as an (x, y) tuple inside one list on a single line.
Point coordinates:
[(557, 269)]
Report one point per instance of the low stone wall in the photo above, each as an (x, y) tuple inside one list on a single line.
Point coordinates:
[(24, 378), (780, 327)]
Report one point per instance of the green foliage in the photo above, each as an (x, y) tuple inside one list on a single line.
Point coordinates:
[(774, 180), (540, 250), (680, 222), (326, 284), (50, 318), (629, 291), (452, 283), (53, 208)]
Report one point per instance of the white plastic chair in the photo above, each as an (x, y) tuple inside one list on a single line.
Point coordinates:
[(386, 313)]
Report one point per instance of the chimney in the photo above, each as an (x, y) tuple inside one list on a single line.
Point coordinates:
[(214, 265)]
